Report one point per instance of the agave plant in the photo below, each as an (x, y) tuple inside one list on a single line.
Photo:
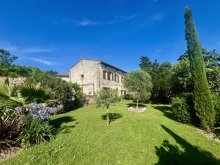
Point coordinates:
[(9, 129)]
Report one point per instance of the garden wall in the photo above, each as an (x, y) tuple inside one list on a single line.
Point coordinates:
[(13, 81)]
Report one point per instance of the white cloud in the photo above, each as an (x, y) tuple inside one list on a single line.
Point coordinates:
[(36, 50), (120, 19), (43, 61), (84, 23), (159, 50), (156, 17)]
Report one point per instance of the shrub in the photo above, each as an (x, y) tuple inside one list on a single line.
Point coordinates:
[(128, 97), (189, 101), (34, 93), (188, 97), (181, 109), (7, 108), (122, 97), (61, 90), (8, 133), (216, 104), (35, 131), (78, 93)]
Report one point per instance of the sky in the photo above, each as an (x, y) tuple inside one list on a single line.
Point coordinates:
[(55, 34)]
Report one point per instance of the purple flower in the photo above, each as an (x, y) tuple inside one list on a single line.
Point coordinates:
[(18, 109)]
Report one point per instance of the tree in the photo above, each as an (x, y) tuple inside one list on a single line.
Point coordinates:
[(6, 59), (105, 98), (202, 96), (166, 65), (51, 72), (160, 78), (145, 64), (181, 78), (212, 57), (139, 83)]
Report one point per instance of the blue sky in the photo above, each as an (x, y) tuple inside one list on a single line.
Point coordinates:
[(53, 34)]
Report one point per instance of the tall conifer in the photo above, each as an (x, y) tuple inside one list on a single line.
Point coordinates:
[(202, 95)]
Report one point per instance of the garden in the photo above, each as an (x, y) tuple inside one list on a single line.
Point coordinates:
[(171, 114)]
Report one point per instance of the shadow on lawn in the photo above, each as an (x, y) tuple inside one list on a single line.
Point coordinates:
[(59, 121), (170, 154), (135, 104), (167, 111), (112, 116)]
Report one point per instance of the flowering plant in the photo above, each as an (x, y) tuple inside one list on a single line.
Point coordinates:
[(38, 111)]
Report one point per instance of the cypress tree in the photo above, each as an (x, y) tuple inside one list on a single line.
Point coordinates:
[(202, 96)]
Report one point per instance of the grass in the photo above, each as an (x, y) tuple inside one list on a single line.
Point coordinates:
[(152, 137)]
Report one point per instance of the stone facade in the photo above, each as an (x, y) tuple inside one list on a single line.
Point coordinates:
[(13, 81), (64, 76), (93, 75)]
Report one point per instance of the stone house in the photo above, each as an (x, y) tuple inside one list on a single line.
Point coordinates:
[(93, 75), (64, 76)]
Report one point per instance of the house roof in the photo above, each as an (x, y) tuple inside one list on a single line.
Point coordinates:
[(64, 74), (102, 62)]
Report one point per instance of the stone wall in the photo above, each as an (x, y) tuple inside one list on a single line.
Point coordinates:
[(13, 81), (85, 73), (112, 83)]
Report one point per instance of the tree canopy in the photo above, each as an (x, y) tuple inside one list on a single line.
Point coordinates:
[(105, 98), (6, 59), (160, 78), (139, 83), (212, 56), (51, 72)]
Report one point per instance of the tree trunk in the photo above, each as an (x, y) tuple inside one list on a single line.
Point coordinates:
[(137, 103), (107, 118)]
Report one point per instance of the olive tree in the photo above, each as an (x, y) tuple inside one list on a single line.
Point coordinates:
[(106, 97), (139, 83)]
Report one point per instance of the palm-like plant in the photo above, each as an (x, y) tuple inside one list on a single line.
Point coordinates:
[(8, 92), (33, 92)]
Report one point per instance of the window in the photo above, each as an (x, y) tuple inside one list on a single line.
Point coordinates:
[(82, 76), (122, 79), (104, 74), (108, 74), (116, 78)]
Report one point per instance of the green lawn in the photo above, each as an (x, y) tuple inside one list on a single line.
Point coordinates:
[(152, 137)]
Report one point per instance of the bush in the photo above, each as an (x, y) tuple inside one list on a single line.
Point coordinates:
[(188, 97), (78, 93), (61, 90), (128, 97), (7, 108), (216, 104), (35, 131), (8, 133), (181, 109), (122, 97)]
